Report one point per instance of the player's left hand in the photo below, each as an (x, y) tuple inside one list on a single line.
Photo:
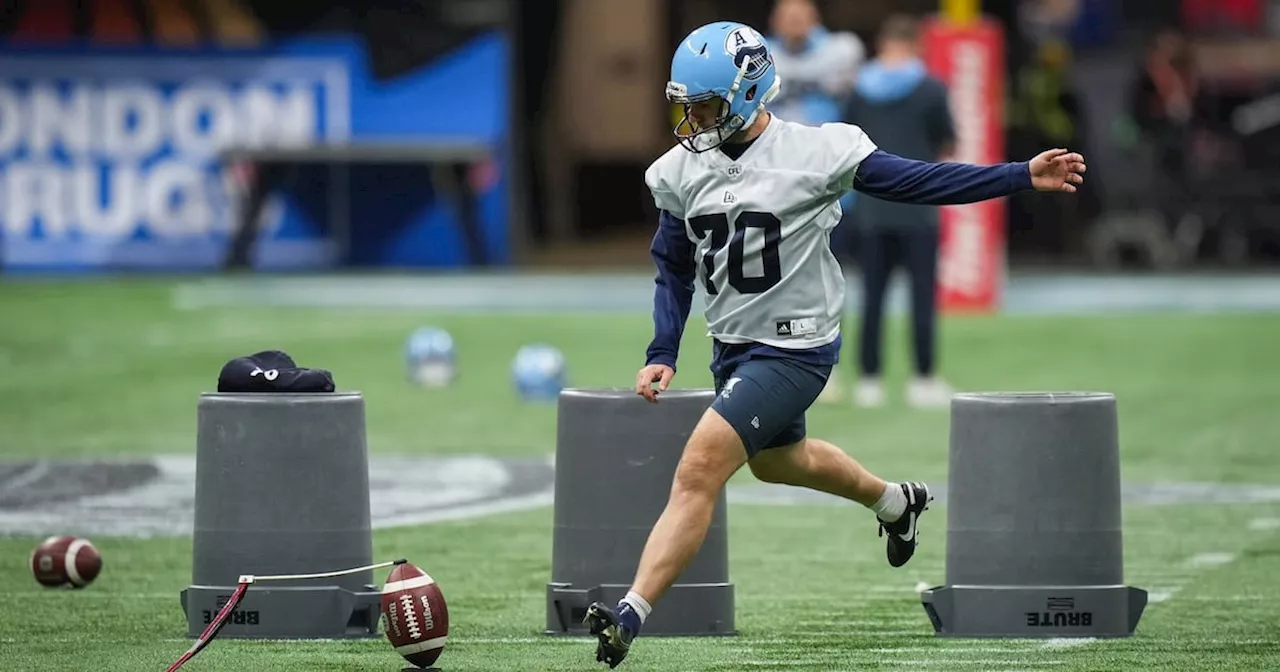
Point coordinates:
[(653, 373), (1057, 170)]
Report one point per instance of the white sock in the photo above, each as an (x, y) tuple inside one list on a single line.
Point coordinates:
[(892, 504), (639, 604)]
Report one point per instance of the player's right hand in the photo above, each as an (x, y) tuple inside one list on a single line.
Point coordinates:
[(659, 373), (1057, 170)]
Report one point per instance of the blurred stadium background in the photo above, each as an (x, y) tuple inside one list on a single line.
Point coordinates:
[(187, 181)]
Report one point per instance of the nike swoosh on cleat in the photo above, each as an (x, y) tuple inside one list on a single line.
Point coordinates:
[(911, 528)]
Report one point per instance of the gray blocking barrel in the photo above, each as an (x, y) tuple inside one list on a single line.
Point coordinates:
[(282, 487), (1034, 541), (616, 455)]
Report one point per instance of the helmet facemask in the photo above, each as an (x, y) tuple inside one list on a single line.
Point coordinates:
[(698, 139), (727, 123)]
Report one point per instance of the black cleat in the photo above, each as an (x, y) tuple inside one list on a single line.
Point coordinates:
[(903, 532), (615, 638)]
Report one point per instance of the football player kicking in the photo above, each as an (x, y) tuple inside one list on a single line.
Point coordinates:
[(748, 202)]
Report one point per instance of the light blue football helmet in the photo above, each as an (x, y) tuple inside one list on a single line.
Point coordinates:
[(539, 372), (430, 358), (725, 60)]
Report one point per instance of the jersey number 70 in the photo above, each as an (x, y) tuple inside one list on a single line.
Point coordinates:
[(717, 226)]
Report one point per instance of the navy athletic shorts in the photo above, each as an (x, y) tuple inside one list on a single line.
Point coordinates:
[(765, 399)]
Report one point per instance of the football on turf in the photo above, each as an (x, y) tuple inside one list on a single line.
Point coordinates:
[(415, 615), (65, 561)]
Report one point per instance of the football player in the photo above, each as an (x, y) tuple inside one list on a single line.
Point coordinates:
[(747, 203)]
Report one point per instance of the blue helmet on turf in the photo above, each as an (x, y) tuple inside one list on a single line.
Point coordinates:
[(725, 60), (539, 373), (429, 357)]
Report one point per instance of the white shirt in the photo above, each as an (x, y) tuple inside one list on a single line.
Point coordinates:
[(761, 226)]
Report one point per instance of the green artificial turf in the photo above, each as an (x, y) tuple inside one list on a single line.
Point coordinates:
[(112, 368)]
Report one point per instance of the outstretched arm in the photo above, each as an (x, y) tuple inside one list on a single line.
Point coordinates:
[(893, 178), (672, 253)]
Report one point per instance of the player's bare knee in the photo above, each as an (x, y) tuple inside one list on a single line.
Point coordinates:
[(714, 452), (699, 472), (694, 481)]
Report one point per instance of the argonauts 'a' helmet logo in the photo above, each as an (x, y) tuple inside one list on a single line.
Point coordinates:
[(747, 46)]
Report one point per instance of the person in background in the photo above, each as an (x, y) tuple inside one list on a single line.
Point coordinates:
[(1166, 107), (1046, 107), (905, 109), (1163, 98), (817, 67)]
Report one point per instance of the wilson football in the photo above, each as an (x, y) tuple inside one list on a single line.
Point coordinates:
[(415, 615), (65, 561)]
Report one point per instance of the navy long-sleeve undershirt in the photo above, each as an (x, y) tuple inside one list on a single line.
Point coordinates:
[(672, 252), (882, 175), (893, 178)]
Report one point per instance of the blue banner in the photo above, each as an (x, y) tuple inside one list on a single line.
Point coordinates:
[(109, 160)]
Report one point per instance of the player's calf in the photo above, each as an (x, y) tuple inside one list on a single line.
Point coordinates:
[(819, 465)]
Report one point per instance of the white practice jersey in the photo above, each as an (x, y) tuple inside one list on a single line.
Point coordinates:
[(761, 227)]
